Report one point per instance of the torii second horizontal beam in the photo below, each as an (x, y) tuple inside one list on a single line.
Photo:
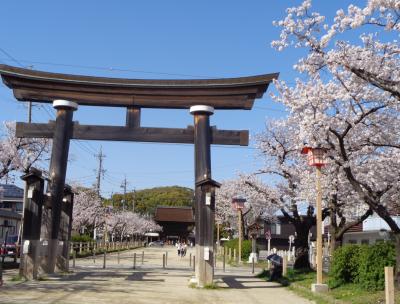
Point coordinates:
[(141, 134)]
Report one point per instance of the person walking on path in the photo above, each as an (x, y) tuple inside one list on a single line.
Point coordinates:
[(184, 249)]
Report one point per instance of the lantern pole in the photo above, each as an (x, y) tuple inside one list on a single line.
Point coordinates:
[(240, 235), (319, 226), (316, 159)]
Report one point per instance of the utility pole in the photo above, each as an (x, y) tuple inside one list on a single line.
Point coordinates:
[(29, 111), (100, 170), (134, 200), (123, 186)]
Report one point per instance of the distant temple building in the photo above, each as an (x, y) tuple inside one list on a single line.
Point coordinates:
[(177, 223)]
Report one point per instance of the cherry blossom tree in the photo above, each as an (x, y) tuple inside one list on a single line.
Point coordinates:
[(88, 210), (293, 187), (19, 154), (347, 99), (90, 213), (126, 223), (254, 209)]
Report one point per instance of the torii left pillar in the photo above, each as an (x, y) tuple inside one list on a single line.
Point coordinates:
[(204, 213), (58, 168)]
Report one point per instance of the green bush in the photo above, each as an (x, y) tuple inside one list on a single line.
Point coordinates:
[(372, 262), (362, 264), (81, 238), (246, 247), (345, 265)]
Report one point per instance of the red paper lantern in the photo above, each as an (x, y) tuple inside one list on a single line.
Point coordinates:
[(315, 156), (238, 203)]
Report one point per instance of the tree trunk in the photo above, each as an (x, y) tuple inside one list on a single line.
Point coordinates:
[(332, 245), (397, 268), (302, 249), (335, 239)]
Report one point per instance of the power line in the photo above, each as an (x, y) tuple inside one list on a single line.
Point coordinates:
[(51, 115), (109, 69), (77, 142), (11, 58), (270, 109)]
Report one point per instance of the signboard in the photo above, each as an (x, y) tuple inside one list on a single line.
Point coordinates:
[(206, 253), (267, 234), (208, 198), (25, 247)]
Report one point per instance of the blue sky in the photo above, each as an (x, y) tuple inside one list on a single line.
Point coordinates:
[(149, 39)]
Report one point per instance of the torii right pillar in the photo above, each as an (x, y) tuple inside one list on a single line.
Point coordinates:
[(204, 196)]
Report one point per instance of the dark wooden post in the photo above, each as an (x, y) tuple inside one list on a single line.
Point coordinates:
[(58, 169), (223, 260), (65, 228), (204, 267), (33, 201)]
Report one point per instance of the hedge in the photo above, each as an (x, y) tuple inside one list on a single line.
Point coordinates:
[(362, 264), (345, 265), (84, 238), (371, 268), (246, 247)]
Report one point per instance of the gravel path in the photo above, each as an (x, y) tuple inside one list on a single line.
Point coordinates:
[(148, 283)]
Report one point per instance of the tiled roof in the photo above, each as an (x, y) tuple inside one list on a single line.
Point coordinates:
[(174, 214), (7, 190)]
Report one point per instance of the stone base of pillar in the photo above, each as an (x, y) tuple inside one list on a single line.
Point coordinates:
[(52, 261), (29, 268), (204, 266), (319, 288), (253, 255), (194, 282)]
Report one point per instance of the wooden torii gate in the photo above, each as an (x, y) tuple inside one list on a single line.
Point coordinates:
[(202, 97)]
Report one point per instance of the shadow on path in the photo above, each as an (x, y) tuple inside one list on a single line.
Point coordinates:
[(235, 282)]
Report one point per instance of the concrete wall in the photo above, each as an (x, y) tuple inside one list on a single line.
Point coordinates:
[(365, 237)]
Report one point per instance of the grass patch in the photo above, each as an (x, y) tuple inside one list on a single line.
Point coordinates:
[(65, 273), (299, 281), (211, 286), (264, 274), (207, 286), (17, 278), (43, 278)]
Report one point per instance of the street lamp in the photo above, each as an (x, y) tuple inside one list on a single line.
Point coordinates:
[(238, 204), (316, 158)]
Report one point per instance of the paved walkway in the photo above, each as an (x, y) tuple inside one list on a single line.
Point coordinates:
[(148, 283)]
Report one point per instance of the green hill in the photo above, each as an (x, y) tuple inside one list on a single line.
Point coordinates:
[(147, 200)]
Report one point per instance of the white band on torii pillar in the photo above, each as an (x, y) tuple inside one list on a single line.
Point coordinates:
[(60, 103), (201, 108)]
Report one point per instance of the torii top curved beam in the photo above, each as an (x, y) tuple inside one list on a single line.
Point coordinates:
[(223, 93)]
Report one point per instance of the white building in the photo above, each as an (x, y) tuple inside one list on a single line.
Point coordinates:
[(11, 208), (374, 229), (374, 222)]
